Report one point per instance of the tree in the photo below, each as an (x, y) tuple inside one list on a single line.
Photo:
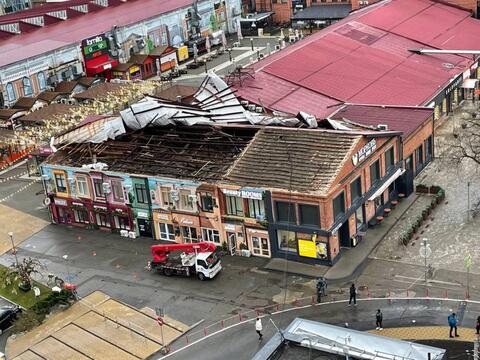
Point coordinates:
[(22, 273), (466, 144)]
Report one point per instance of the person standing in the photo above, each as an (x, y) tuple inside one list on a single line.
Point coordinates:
[(478, 325), (258, 328), (452, 322), (379, 319), (353, 295)]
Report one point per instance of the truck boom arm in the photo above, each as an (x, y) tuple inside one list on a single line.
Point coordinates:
[(160, 252)]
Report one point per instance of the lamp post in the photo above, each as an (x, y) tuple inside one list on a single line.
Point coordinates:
[(425, 252), (65, 257), (251, 43), (14, 250)]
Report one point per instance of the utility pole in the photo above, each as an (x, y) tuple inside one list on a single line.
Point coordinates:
[(476, 349), (14, 251), (468, 201)]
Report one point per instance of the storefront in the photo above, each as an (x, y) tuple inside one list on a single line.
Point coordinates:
[(121, 217), (127, 71), (164, 228), (189, 226), (60, 211), (165, 58), (97, 57), (258, 242), (144, 222), (101, 217), (146, 64), (81, 214), (234, 236)]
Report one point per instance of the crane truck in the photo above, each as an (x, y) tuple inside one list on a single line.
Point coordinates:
[(186, 259)]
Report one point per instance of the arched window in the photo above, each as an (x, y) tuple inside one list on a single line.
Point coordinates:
[(11, 92), (42, 84), (27, 86)]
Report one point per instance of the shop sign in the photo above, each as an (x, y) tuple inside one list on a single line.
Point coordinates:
[(107, 66), (364, 152), (453, 85), (246, 194), (307, 248), (60, 202), (163, 217), (77, 204), (466, 74), (100, 207), (142, 214), (94, 47), (229, 227), (186, 221), (134, 69), (255, 231)]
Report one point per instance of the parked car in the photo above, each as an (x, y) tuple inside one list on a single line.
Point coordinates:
[(8, 314)]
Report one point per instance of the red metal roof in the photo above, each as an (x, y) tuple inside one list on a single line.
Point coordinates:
[(73, 30), (364, 58), (401, 119)]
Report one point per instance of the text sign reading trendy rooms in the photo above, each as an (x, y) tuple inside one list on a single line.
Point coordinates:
[(364, 152)]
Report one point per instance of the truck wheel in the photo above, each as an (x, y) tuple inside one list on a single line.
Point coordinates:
[(167, 272), (201, 277)]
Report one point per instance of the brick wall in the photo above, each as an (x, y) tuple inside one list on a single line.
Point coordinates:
[(417, 139)]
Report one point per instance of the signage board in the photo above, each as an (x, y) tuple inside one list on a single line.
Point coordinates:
[(307, 248), (364, 152), (245, 194), (60, 202), (229, 227), (94, 47)]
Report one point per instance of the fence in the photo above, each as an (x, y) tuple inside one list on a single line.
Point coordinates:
[(304, 302)]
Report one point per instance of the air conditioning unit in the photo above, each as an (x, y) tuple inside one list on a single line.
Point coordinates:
[(174, 195), (261, 56), (72, 101), (382, 127), (50, 88), (192, 198), (132, 235), (106, 188), (77, 69), (124, 233), (63, 101), (277, 47), (260, 218)]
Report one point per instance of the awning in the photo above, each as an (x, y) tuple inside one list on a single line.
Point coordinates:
[(387, 184), (469, 83), (94, 67)]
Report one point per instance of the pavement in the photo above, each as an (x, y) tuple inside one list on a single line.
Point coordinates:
[(418, 317)]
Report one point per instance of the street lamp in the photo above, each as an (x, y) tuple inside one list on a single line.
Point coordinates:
[(251, 43), (14, 250), (65, 257)]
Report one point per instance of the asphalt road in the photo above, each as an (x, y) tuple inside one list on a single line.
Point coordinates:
[(241, 342)]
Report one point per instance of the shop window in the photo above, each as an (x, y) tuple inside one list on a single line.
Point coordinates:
[(234, 205), (339, 205), (409, 163), (359, 219), (80, 216), (102, 220), (356, 189), (211, 235), (141, 192), (11, 92), (166, 232), (98, 186), (166, 196), (256, 209), (260, 246), (189, 234), (27, 86), (419, 158), (309, 214), (207, 201), (285, 212), (287, 240), (122, 222), (42, 84), (374, 173), (60, 183), (389, 159), (428, 148), (117, 191), (186, 202), (82, 186)]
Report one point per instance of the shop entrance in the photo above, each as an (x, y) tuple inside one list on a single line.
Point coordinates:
[(232, 242), (344, 234), (62, 215), (144, 227), (260, 246)]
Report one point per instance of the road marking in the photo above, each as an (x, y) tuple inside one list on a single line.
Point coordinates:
[(13, 167), (431, 281)]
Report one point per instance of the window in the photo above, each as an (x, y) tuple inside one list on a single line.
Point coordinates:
[(309, 214), (117, 190), (166, 197), (419, 157), (186, 202), (166, 232), (141, 192), (60, 183), (374, 172), (121, 222), (389, 159), (428, 148), (82, 186), (287, 240), (211, 235), (98, 186), (286, 212), (234, 205), (41, 81), (11, 92), (256, 209), (189, 234), (80, 216), (339, 205), (409, 163), (207, 201), (356, 188), (27, 86), (102, 220), (359, 220)]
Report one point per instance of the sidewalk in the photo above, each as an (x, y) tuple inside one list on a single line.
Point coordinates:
[(352, 260)]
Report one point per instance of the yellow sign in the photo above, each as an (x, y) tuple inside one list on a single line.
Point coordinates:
[(134, 69), (307, 248)]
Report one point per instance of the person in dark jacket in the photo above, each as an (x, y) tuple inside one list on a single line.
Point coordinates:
[(452, 322), (353, 295), (478, 325), (379, 319)]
